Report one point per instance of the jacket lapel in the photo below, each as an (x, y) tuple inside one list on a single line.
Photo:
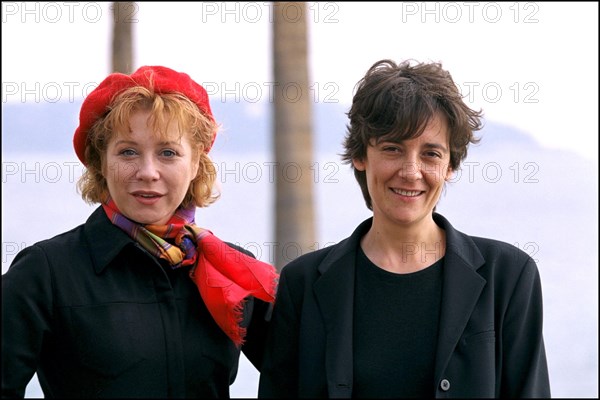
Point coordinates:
[(334, 292), (461, 289)]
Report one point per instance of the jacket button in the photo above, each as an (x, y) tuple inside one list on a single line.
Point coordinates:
[(445, 385)]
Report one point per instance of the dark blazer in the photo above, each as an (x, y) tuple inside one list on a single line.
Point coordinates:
[(490, 341), (95, 315)]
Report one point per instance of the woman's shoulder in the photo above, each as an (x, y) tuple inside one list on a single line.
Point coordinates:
[(491, 249), (60, 242), (313, 256), (95, 235), (39, 258), (74, 237), (308, 264), (330, 253), (494, 248)]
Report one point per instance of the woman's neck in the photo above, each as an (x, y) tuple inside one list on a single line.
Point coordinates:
[(404, 248)]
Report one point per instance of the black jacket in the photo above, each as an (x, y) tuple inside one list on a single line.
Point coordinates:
[(490, 341), (95, 315)]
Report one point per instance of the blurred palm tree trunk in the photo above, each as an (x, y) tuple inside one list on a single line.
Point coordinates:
[(292, 135), (122, 39)]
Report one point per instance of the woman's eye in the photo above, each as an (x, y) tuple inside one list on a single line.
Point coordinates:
[(391, 149), (168, 153), (433, 154), (127, 152)]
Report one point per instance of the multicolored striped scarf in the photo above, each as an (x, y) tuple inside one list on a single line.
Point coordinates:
[(223, 275)]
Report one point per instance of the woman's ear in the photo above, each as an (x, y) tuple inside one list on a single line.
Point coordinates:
[(449, 174), (196, 160), (358, 164)]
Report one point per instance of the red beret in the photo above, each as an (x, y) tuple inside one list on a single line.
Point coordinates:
[(162, 79)]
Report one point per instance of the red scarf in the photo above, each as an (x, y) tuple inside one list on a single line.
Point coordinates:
[(223, 275)]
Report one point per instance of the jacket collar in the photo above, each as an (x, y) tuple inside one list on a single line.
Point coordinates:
[(458, 245), (334, 291), (104, 240), (346, 247)]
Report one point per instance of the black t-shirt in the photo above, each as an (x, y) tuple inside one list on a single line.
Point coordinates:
[(396, 320)]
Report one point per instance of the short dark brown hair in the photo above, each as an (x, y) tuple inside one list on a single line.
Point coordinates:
[(396, 102)]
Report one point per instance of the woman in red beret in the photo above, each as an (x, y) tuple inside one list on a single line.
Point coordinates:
[(138, 301)]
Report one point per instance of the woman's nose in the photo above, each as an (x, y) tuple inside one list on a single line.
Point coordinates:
[(147, 169), (411, 170)]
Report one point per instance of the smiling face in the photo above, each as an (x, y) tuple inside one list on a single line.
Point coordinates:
[(405, 179), (147, 174)]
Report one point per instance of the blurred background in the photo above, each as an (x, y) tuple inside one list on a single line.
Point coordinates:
[(281, 78)]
